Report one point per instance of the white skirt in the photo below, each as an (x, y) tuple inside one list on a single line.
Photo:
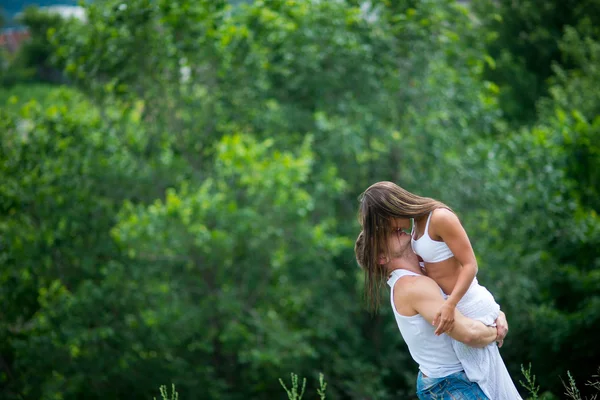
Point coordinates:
[(484, 365)]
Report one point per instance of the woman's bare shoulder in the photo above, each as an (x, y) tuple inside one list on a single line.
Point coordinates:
[(444, 216), (444, 222)]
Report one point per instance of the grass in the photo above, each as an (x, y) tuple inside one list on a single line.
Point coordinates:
[(293, 393), (296, 390), (571, 389), (164, 393)]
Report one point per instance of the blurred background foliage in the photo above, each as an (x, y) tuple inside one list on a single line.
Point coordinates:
[(179, 183)]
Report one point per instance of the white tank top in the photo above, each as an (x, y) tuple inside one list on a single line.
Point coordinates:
[(431, 251), (434, 354)]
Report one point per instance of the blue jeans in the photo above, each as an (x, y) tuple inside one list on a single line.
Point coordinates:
[(456, 387)]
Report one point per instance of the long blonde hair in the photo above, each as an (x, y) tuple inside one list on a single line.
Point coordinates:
[(379, 205)]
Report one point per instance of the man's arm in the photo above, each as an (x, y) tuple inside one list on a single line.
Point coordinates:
[(424, 297)]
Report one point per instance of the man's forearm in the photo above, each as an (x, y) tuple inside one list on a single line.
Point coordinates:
[(481, 335)]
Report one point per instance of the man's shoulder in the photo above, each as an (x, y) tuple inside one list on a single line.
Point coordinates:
[(414, 285), (412, 292)]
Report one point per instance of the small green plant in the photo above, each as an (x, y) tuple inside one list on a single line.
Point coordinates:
[(292, 392), (164, 393), (572, 391), (529, 383), (322, 387), (596, 383)]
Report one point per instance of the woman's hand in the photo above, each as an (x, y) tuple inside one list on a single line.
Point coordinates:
[(444, 319), (501, 328)]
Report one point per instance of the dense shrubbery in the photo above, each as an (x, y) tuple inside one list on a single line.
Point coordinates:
[(184, 210)]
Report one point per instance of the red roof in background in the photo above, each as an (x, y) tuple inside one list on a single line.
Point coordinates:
[(11, 39)]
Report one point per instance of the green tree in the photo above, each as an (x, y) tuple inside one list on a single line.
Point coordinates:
[(542, 225), (33, 60), (193, 75), (524, 42), (188, 213), (59, 201)]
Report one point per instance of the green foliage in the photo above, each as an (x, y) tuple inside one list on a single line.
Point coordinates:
[(322, 387), (529, 384), (545, 202), (164, 393), (14, 98), (571, 387), (33, 60), (524, 41), (186, 209), (573, 392), (244, 75), (292, 392), (595, 384), (59, 202)]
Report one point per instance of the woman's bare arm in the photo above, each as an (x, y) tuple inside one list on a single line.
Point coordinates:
[(448, 227)]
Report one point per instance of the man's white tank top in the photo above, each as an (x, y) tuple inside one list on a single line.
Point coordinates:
[(434, 354)]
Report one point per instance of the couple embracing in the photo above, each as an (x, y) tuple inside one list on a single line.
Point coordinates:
[(452, 325)]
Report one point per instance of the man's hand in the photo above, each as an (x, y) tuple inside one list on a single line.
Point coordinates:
[(444, 319), (501, 328)]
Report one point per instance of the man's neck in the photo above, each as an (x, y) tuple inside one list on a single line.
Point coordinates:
[(403, 263)]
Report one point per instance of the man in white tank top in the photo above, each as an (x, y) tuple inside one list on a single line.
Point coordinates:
[(415, 300)]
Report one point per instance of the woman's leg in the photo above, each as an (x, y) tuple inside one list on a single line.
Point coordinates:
[(484, 365)]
